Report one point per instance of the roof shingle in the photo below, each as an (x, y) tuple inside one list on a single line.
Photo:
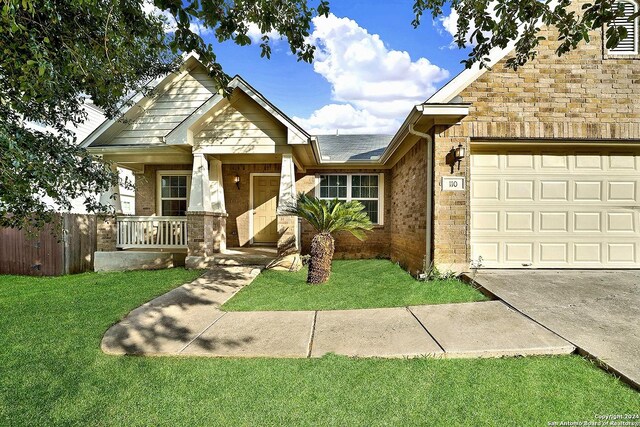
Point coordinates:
[(349, 148)]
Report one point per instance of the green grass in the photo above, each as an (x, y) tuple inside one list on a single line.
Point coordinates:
[(53, 373), (353, 284)]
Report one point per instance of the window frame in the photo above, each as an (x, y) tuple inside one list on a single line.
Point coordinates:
[(159, 198), (350, 176), (636, 41)]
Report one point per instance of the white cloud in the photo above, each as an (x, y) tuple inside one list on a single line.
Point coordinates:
[(170, 23), (255, 34), (376, 86), (150, 9), (450, 25), (200, 29), (346, 119), (450, 22)]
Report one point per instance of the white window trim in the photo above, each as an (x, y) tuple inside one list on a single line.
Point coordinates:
[(380, 197), (636, 41), (159, 175)]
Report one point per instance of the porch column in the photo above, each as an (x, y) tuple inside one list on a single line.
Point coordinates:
[(218, 206), (287, 224), (205, 224), (199, 214), (106, 226), (111, 197)]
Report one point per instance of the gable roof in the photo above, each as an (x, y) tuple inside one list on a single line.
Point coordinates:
[(352, 148), (197, 100)]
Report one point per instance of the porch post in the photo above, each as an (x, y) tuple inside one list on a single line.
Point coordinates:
[(106, 225), (287, 224), (200, 197), (206, 221), (111, 197), (218, 206), (199, 214)]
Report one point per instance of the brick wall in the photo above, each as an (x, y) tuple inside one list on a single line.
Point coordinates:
[(580, 96), (237, 200), (450, 208), (408, 208), (348, 247), (145, 191)]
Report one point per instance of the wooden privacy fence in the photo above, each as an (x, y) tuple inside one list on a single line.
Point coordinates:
[(48, 253)]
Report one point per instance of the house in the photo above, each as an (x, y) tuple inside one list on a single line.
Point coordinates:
[(534, 168), (94, 117)]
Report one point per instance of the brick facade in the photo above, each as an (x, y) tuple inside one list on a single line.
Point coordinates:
[(348, 247), (106, 233), (145, 192), (582, 96), (237, 200), (408, 209)]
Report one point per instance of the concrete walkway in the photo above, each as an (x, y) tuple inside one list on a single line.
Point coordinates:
[(188, 321), (596, 310)]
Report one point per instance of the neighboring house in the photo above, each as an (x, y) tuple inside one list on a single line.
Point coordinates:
[(94, 118), (550, 177)]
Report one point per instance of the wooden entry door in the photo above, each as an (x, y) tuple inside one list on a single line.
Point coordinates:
[(265, 203)]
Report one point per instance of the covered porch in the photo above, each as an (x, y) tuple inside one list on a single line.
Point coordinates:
[(205, 208)]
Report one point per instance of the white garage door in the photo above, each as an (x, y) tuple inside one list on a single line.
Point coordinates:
[(553, 208)]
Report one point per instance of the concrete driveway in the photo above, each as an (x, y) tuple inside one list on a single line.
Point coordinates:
[(597, 311)]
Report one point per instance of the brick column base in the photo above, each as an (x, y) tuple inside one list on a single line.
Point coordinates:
[(288, 235), (206, 235), (106, 229)]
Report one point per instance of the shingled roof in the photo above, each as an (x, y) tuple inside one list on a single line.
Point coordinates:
[(345, 148)]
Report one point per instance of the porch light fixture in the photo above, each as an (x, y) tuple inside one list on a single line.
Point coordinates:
[(236, 179), (459, 154)]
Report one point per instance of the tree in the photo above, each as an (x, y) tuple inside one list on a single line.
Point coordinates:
[(328, 217), (56, 54), (487, 24)]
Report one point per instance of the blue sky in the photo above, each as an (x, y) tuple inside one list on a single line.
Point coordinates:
[(370, 68)]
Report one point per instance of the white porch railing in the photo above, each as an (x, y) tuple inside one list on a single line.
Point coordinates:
[(151, 232)]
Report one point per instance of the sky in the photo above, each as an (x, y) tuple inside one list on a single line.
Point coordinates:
[(371, 66)]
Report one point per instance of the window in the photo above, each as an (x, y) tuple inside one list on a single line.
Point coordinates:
[(173, 192), (628, 45), (365, 188)]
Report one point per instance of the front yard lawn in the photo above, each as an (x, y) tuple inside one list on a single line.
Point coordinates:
[(367, 283), (52, 372)]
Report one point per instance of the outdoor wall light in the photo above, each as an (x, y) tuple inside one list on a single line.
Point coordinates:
[(237, 181), (459, 154)]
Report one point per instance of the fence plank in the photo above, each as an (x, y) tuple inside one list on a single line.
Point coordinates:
[(47, 253)]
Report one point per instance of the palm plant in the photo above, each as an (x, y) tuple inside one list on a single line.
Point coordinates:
[(328, 217)]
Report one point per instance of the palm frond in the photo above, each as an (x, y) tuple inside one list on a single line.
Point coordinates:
[(331, 216)]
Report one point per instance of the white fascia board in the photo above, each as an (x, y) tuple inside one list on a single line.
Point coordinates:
[(444, 110), (297, 134), (414, 115)]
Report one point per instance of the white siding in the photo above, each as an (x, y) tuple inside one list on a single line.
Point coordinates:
[(243, 124), (170, 108)]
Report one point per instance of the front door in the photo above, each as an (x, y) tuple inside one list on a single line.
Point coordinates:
[(265, 203)]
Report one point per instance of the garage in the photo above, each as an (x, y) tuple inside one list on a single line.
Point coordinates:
[(554, 207)]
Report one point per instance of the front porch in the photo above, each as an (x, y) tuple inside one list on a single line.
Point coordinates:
[(210, 205)]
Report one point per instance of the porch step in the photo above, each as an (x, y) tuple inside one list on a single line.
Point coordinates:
[(235, 257)]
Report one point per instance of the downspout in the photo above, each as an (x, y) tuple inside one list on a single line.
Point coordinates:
[(429, 213)]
